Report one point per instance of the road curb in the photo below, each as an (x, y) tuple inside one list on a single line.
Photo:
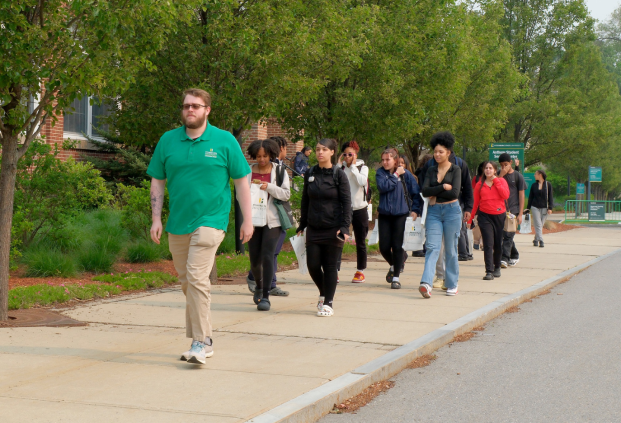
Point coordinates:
[(313, 405)]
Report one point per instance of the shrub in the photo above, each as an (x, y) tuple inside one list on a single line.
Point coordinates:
[(135, 203), (50, 192), (94, 258), (138, 280), (143, 252), (44, 262)]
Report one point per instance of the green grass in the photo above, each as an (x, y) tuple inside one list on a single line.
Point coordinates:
[(45, 295), (96, 259), (143, 252), (45, 262)]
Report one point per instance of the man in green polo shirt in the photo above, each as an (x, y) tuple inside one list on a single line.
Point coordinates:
[(197, 160)]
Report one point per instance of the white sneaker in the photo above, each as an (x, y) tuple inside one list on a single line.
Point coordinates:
[(320, 303), (451, 291), (200, 352), (327, 311), (425, 290), (513, 262), (503, 264), (186, 355)]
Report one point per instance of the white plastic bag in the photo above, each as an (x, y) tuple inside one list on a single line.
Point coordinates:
[(259, 205), (299, 247), (423, 218), (374, 238), (414, 235), (470, 241), (370, 211), (525, 226)]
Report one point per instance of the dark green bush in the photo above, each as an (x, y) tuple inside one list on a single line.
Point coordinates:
[(143, 252), (44, 262)]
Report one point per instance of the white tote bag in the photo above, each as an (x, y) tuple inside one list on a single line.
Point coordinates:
[(414, 235), (525, 226), (470, 240), (423, 218), (374, 237), (259, 205), (370, 211), (299, 247)]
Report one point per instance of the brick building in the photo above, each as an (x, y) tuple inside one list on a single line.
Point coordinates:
[(81, 122)]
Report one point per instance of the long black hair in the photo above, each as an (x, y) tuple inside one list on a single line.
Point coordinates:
[(543, 174), (330, 144)]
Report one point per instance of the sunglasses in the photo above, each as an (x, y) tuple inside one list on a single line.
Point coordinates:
[(192, 106), (348, 154)]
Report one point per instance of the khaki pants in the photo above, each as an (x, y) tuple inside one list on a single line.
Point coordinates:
[(193, 256)]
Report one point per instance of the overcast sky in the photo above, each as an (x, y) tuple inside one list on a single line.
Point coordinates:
[(602, 9)]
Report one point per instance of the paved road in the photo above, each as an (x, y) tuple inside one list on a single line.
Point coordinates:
[(556, 360)]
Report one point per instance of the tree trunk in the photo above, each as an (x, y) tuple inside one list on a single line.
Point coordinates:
[(8, 174)]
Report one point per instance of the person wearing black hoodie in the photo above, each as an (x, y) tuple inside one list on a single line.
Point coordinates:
[(300, 163), (326, 214)]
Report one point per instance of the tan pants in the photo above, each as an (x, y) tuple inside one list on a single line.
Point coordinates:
[(193, 256)]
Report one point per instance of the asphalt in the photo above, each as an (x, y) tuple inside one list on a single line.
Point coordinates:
[(555, 360)]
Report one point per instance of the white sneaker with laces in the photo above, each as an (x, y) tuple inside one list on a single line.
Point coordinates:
[(451, 291), (513, 262), (503, 264), (425, 290), (186, 355), (200, 352)]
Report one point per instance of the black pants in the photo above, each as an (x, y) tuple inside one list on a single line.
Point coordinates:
[(508, 247), (360, 222), (279, 244), (491, 231), (391, 230), (322, 260), (261, 248), (463, 246)]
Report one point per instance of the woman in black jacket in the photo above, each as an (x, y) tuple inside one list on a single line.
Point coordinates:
[(326, 216), (540, 203)]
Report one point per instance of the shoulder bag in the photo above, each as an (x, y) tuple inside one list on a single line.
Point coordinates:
[(283, 207)]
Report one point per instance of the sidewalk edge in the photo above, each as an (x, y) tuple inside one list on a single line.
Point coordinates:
[(313, 405)]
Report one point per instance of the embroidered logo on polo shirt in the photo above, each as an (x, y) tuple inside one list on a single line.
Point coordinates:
[(211, 153)]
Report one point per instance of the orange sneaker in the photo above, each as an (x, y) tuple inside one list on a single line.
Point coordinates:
[(358, 278)]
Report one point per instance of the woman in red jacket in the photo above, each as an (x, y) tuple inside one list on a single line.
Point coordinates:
[(490, 195)]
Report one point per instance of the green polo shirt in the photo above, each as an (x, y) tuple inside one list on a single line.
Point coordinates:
[(197, 174)]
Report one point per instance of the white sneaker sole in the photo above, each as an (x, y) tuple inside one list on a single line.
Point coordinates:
[(425, 292)]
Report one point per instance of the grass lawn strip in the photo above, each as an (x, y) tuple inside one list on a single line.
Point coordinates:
[(48, 294)]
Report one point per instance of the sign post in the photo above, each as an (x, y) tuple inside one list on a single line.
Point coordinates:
[(597, 211)]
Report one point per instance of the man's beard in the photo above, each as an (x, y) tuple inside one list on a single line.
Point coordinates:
[(196, 124)]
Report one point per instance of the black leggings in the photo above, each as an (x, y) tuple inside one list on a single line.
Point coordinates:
[(360, 222), (261, 249), (492, 226), (322, 261), (391, 230)]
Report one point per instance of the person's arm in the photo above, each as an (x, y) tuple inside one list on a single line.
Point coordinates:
[(466, 190), (361, 176), (304, 207), (428, 190), (521, 213), (158, 186), (453, 193), (283, 192), (476, 194), (242, 190), (345, 200), (386, 182), (501, 187), (414, 190)]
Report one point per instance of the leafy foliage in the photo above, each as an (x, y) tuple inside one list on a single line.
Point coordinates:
[(135, 203)]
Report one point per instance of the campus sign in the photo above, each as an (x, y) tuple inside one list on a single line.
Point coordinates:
[(513, 149), (597, 211), (595, 174), (529, 179), (580, 189)]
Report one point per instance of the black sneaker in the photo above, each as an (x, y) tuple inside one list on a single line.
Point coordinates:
[(541, 244), (389, 276), (395, 285), (496, 272), (470, 257), (462, 258), (535, 243), (488, 277)]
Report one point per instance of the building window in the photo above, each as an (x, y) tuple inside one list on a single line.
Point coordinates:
[(82, 118)]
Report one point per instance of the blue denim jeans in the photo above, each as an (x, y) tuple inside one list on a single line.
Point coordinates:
[(442, 220)]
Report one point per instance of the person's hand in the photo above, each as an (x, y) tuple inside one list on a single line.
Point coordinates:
[(447, 187), (341, 158), (549, 211), (263, 186), (467, 216), (246, 231), (400, 170), (519, 218), (506, 167), (414, 216), (344, 235), (156, 231), (517, 164)]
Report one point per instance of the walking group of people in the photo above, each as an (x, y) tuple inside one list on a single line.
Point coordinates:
[(196, 161)]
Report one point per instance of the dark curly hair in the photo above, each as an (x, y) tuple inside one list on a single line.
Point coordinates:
[(269, 146), (282, 142), (350, 144), (444, 138)]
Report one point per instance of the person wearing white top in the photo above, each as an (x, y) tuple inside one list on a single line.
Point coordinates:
[(358, 176)]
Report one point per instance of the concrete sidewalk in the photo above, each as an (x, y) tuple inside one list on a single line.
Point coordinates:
[(125, 365)]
